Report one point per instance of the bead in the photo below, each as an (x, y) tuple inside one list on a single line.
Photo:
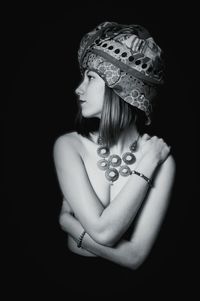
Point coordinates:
[(133, 146), (138, 62), (149, 181), (131, 58), (100, 141)]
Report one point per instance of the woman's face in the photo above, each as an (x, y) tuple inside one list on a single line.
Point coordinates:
[(91, 94)]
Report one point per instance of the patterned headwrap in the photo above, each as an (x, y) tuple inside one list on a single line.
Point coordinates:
[(127, 58)]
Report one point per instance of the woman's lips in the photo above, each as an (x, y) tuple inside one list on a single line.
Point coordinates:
[(82, 101)]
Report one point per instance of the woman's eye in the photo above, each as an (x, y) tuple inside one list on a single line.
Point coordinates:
[(90, 77)]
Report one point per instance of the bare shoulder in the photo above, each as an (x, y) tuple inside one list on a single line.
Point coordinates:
[(166, 171), (67, 145), (170, 164), (69, 140)]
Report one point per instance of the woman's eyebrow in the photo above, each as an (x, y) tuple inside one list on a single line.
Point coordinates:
[(90, 71)]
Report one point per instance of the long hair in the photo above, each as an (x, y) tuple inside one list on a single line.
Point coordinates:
[(116, 116)]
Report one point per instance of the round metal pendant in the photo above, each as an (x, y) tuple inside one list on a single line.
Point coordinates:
[(115, 160), (112, 174), (125, 171), (103, 151), (129, 158), (102, 164)]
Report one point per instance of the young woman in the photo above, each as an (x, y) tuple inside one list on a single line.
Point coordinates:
[(115, 179)]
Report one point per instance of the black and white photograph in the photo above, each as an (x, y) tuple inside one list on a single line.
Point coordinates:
[(100, 140)]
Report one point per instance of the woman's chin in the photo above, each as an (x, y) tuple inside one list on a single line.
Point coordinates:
[(90, 115)]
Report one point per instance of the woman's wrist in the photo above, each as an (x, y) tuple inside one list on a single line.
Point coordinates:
[(148, 180), (147, 165)]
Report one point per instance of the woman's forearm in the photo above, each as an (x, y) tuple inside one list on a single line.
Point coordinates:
[(126, 204), (107, 225), (130, 253), (123, 253)]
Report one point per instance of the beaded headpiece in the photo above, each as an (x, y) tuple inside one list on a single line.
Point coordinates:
[(127, 58)]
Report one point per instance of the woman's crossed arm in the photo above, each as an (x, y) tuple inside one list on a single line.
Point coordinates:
[(106, 226)]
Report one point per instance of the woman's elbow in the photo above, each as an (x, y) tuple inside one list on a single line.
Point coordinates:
[(136, 263), (103, 237), (62, 220), (136, 259)]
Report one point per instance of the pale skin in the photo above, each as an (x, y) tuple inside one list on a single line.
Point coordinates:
[(107, 211)]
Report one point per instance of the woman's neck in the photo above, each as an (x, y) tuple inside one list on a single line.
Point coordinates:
[(126, 138)]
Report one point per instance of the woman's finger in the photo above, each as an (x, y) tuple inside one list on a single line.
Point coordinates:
[(146, 136)]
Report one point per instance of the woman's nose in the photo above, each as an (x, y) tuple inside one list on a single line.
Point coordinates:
[(80, 89)]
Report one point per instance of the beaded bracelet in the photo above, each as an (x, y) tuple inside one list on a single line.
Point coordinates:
[(149, 181), (79, 243)]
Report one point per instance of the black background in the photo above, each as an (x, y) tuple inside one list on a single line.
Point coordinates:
[(41, 73)]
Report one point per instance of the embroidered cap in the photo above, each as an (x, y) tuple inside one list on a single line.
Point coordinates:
[(128, 59)]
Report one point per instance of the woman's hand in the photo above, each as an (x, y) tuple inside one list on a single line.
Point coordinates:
[(153, 148)]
